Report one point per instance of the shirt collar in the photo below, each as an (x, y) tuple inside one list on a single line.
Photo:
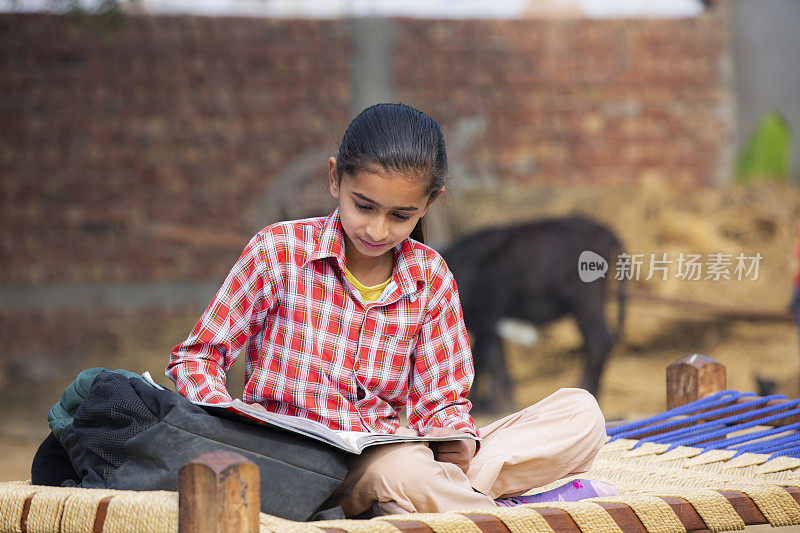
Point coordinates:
[(407, 270), (331, 241)]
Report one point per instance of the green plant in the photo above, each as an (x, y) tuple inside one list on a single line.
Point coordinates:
[(767, 154)]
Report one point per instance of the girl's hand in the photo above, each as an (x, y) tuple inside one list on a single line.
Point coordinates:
[(257, 406), (458, 452)]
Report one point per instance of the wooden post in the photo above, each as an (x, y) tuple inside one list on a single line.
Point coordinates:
[(693, 377), (219, 492)]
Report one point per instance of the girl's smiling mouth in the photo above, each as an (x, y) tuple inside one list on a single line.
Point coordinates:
[(371, 245)]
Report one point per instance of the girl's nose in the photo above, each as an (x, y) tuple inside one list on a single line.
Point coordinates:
[(376, 229)]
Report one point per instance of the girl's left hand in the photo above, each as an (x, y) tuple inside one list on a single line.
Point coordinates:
[(458, 452)]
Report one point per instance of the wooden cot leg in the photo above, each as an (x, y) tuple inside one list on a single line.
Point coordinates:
[(219, 492), (693, 377)]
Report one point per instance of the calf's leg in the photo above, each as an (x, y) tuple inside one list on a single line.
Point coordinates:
[(597, 342), (488, 352)]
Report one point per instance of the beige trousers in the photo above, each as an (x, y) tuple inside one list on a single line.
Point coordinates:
[(554, 438)]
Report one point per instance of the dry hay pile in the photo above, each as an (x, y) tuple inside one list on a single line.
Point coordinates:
[(658, 218)]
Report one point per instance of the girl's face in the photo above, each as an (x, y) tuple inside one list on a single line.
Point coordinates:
[(378, 210)]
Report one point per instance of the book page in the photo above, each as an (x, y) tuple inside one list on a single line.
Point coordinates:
[(297, 424), (302, 426), (360, 439)]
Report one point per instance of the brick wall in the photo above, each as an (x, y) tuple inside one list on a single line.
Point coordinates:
[(170, 120), (147, 155), (185, 121), (585, 101)]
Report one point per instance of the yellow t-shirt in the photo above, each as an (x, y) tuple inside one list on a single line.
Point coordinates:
[(368, 294)]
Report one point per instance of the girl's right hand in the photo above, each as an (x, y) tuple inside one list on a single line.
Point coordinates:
[(458, 452)]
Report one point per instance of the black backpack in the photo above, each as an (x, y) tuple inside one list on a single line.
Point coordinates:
[(127, 434)]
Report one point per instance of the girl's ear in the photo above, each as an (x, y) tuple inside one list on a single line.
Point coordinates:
[(333, 179), (432, 198)]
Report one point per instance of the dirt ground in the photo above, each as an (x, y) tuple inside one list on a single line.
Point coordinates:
[(650, 218)]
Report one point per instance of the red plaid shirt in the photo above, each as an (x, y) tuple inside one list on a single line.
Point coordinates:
[(314, 349)]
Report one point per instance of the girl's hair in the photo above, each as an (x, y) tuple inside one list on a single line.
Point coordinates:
[(398, 138)]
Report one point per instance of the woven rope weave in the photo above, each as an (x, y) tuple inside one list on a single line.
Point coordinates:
[(155, 511), (438, 522), (715, 510), (46, 509), (80, 511), (777, 505), (640, 474), (12, 500), (516, 519), (360, 526), (273, 524), (587, 515), (655, 514)]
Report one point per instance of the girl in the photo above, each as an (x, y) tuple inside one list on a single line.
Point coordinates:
[(347, 319)]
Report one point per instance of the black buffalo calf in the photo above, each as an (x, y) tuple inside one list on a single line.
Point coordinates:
[(530, 272)]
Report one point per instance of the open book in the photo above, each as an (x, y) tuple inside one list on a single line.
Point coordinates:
[(349, 441)]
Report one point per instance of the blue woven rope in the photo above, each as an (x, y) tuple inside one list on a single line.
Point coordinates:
[(715, 400), (791, 451), (720, 434), (712, 435), (767, 445), (719, 428), (699, 416), (725, 443)]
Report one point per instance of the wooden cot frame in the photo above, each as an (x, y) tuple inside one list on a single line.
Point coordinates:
[(219, 491)]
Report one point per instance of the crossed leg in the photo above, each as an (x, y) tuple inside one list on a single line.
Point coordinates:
[(556, 437)]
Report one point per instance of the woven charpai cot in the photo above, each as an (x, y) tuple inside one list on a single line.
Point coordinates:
[(646, 476), (695, 467)]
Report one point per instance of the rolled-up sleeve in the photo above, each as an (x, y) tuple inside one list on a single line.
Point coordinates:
[(442, 373), (230, 323)]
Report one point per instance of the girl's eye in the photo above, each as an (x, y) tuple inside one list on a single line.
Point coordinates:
[(367, 208)]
